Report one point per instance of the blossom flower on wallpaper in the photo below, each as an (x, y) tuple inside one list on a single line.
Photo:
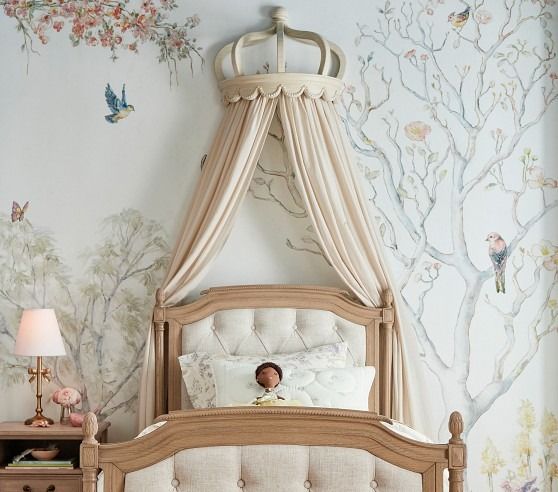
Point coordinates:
[(417, 130), (548, 252), (409, 54), (483, 16), (537, 179), (110, 24)]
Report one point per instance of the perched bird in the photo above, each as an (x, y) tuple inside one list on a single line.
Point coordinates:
[(459, 20), (498, 252), (18, 212), (119, 107)]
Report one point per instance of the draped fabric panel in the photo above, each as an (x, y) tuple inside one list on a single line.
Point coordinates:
[(223, 184), (318, 148)]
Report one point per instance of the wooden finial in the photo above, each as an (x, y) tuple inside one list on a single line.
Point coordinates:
[(456, 427), (280, 14), (388, 298), (159, 296), (90, 428)]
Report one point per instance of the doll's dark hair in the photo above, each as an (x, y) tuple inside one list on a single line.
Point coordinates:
[(265, 365)]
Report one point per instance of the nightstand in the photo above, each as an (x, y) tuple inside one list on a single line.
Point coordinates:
[(15, 437)]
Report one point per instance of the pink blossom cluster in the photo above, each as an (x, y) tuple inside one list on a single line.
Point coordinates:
[(109, 23), (67, 397)]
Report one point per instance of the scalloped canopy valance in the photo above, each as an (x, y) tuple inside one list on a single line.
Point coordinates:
[(326, 83)]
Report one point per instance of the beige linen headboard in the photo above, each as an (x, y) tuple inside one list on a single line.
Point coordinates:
[(265, 319)]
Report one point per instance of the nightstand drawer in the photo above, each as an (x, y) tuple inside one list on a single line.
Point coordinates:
[(44, 483)]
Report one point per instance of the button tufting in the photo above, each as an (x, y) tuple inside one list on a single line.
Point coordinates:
[(241, 483), (334, 328), (175, 482), (307, 484), (213, 327), (374, 484), (254, 328)]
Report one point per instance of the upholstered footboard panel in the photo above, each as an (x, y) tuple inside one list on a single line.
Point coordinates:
[(273, 449), (272, 468)]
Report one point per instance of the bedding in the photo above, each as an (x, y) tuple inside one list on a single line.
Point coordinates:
[(345, 387), (198, 376)]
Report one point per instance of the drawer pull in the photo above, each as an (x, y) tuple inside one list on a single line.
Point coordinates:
[(26, 488), (50, 488)]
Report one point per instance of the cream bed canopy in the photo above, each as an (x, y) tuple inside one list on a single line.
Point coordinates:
[(321, 156)]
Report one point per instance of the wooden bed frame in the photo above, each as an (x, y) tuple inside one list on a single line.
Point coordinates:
[(280, 425), (188, 429), (168, 323)]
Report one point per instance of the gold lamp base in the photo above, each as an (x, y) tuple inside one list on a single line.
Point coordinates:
[(39, 420), (37, 375)]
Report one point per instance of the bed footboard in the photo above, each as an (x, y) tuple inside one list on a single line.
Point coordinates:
[(346, 437)]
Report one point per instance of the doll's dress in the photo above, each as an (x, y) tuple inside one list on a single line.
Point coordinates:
[(270, 398)]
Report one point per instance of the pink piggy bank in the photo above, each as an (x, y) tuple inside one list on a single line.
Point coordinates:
[(76, 419)]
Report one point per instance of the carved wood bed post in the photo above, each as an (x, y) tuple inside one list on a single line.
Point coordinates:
[(386, 353), (457, 459), (159, 327), (89, 453)]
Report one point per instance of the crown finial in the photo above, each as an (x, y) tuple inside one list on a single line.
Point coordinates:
[(280, 14)]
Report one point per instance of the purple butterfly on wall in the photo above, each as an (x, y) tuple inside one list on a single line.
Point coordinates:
[(18, 212)]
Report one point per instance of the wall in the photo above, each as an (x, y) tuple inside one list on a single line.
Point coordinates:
[(452, 121)]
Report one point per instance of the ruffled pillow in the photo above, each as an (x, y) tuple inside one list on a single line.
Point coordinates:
[(197, 371)]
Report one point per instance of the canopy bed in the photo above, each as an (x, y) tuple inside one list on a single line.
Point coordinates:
[(349, 346)]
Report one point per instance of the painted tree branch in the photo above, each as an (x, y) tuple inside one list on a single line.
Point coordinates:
[(134, 251), (461, 116)]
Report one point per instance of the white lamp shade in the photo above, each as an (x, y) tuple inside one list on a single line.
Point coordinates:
[(39, 334)]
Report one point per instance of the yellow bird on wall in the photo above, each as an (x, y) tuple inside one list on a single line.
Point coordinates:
[(459, 20)]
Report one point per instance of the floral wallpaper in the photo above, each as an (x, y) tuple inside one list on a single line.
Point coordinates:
[(451, 109), (113, 25)]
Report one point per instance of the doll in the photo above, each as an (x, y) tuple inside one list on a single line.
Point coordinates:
[(268, 375)]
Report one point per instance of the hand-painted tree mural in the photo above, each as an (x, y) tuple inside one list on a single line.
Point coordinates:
[(111, 24), (478, 87), (526, 470), (103, 318), (475, 87)]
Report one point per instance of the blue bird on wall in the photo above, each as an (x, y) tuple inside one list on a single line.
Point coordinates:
[(120, 109), (498, 252)]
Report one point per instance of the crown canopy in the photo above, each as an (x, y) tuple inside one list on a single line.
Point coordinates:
[(248, 86)]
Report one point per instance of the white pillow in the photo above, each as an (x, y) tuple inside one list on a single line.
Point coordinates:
[(346, 387), (198, 373)]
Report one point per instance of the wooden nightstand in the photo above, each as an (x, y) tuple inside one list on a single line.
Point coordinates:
[(16, 437)]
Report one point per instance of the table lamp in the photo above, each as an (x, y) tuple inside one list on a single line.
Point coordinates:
[(39, 335)]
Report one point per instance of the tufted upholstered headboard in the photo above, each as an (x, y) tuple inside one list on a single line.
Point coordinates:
[(267, 319)]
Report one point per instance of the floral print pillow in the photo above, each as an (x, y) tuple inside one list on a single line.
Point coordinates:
[(199, 379)]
